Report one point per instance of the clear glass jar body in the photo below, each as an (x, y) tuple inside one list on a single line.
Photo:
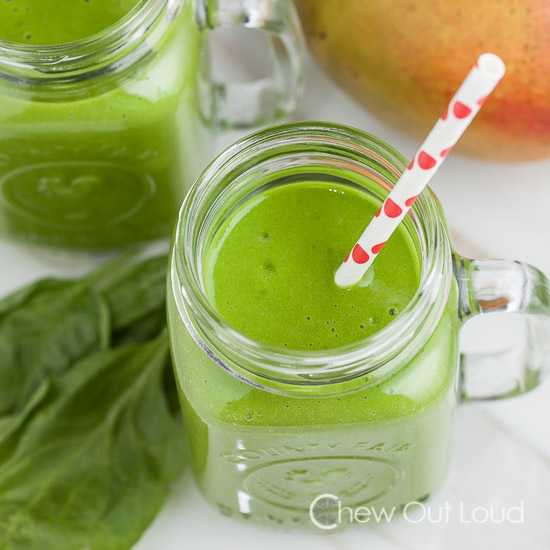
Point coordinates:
[(266, 457), (369, 424)]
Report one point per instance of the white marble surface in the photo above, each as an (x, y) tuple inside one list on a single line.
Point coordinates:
[(501, 451)]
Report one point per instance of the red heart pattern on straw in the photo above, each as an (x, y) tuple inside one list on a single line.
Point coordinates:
[(425, 161), (359, 255), (391, 209), (377, 248), (461, 110)]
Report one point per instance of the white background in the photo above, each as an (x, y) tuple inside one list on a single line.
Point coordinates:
[(501, 450)]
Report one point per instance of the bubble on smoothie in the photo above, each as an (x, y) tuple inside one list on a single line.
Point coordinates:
[(249, 416), (393, 311), (265, 236)]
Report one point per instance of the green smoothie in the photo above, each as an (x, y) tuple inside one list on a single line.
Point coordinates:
[(268, 270), (106, 160), (58, 21)]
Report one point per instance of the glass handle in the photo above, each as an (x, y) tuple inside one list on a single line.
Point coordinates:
[(245, 104), (501, 286)]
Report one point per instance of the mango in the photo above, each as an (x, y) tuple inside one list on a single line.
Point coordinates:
[(403, 60)]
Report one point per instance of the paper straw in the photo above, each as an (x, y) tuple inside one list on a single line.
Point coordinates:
[(465, 104)]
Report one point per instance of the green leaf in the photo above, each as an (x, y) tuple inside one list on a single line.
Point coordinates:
[(136, 292), (44, 328), (93, 465), (20, 296), (89, 436), (10, 426), (141, 330)]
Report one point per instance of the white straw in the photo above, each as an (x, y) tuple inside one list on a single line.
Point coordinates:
[(465, 104)]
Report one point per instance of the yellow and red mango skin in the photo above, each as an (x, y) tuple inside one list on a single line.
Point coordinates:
[(404, 61)]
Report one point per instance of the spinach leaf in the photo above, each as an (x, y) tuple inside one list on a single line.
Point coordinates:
[(93, 465), (19, 297), (44, 328), (142, 329), (11, 426), (136, 292), (90, 435)]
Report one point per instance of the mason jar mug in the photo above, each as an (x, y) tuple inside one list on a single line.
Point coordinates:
[(271, 431), (100, 138)]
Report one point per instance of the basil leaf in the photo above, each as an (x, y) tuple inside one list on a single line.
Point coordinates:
[(44, 328), (92, 467)]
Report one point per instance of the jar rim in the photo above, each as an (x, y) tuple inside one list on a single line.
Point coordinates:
[(87, 57), (276, 368)]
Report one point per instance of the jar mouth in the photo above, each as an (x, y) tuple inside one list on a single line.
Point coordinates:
[(275, 368), (89, 56)]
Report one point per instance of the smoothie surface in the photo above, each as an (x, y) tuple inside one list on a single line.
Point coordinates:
[(49, 22), (269, 271)]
